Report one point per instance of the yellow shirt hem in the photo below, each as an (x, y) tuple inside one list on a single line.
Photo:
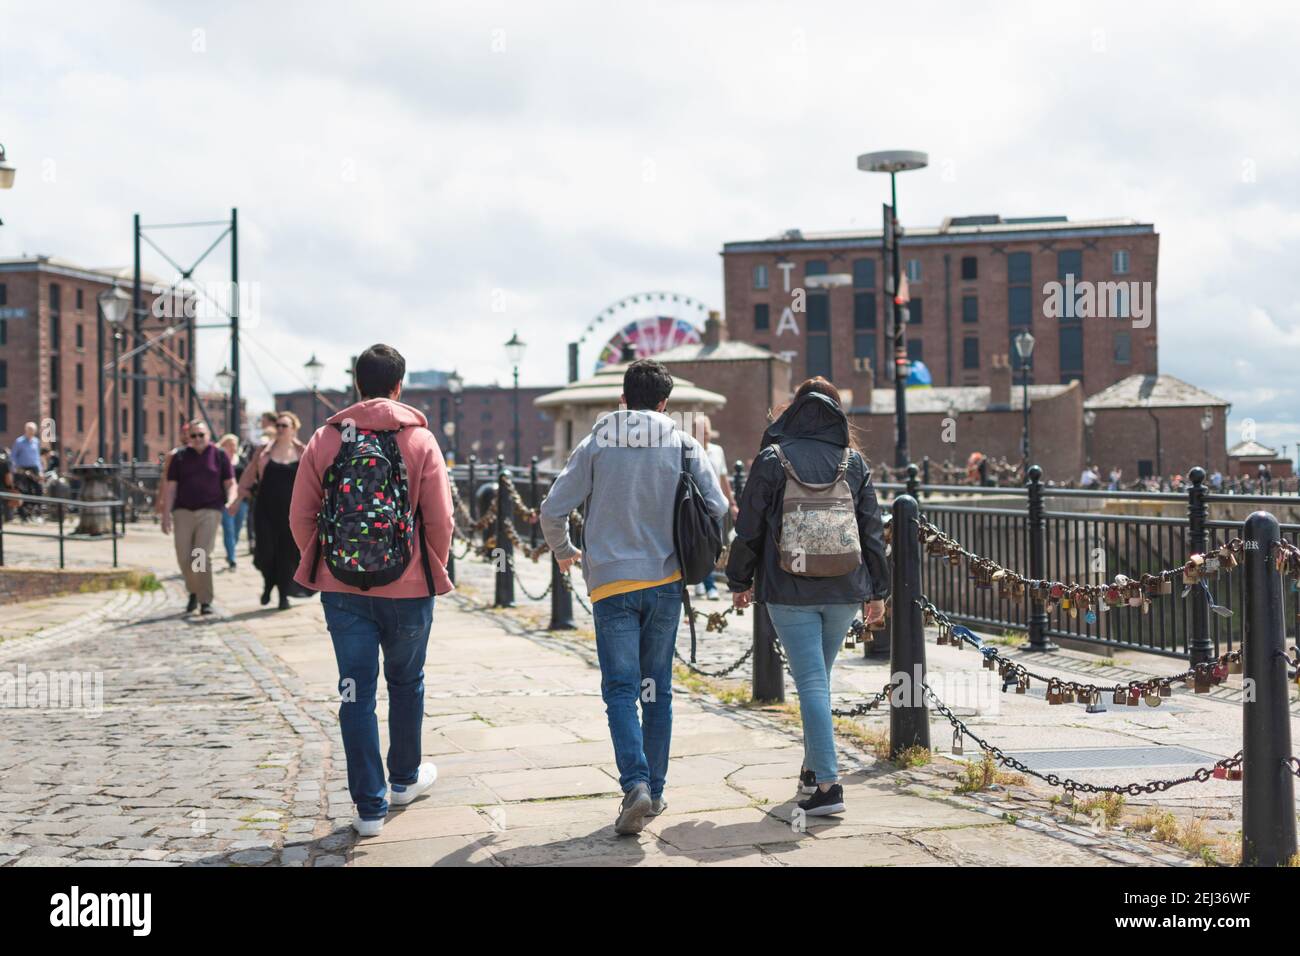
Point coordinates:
[(625, 587)]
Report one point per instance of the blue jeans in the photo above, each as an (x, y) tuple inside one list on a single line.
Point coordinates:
[(812, 635), (359, 626), (635, 636), (231, 525)]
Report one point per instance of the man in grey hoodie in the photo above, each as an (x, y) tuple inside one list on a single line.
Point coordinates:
[(625, 476)]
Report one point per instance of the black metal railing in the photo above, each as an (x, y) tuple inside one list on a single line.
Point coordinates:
[(56, 512)]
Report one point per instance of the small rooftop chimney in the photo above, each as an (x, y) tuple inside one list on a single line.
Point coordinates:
[(715, 329)]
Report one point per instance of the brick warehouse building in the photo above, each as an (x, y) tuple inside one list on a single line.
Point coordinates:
[(49, 361), (486, 417), (975, 282)]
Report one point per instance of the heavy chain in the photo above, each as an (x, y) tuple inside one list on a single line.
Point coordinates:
[(1227, 768), (722, 673), (1090, 599)]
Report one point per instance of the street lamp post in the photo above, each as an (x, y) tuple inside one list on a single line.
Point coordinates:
[(114, 304), (455, 385), (515, 355), (225, 384), (1207, 422), (895, 162), (1089, 419), (1025, 349), (314, 369)]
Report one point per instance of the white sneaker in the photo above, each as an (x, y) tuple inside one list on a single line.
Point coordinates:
[(713, 594), (699, 590), (402, 795), (367, 828)]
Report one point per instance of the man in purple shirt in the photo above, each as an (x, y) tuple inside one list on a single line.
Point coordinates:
[(200, 484)]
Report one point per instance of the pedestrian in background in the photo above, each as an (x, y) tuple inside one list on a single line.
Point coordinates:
[(810, 443), (272, 472), (200, 482), (702, 429), (232, 524)]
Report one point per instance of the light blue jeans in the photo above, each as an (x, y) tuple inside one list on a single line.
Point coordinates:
[(812, 635), (635, 636), (231, 525)]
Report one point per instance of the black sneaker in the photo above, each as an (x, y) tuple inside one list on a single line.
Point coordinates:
[(824, 802), (807, 782), (206, 609), (193, 604)]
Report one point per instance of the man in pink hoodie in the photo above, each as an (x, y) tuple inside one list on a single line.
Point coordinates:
[(395, 616)]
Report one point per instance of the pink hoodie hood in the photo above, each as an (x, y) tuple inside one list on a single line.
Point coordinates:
[(380, 414)]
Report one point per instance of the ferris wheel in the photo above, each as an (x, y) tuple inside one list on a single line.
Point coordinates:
[(650, 322)]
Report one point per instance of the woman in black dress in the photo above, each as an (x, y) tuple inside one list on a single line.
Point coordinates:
[(271, 473)]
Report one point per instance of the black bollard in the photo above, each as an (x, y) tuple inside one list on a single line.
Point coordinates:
[(503, 551), (1200, 648), (769, 678), (1268, 829), (1036, 528), (561, 600), (913, 482), (533, 501), (909, 720), (472, 489)]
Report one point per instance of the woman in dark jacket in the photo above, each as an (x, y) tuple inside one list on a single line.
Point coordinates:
[(810, 614)]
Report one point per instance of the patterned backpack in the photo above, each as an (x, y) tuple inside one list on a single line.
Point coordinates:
[(366, 529), (819, 524)]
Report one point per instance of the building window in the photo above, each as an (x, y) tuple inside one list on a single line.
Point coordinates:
[(81, 377), (56, 297), (54, 373), (81, 418), (913, 270), (4, 329), (1069, 262), (1119, 262), (864, 350), (760, 277), (162, 388), (4, 295), (762, 314), (819, 334), (1123, 348), (4, 418), (1145, 469), (864, 310), (914, 350), (969, 268), (1018, 268), (4, 374), (80, 301), (181, 347), (1019, 308), (970, 308), (81, 336), (864, 273), (55, 329), (126, 420), (1071, 349), (914, 312), (162, 423), (970, 352), (815, 267)]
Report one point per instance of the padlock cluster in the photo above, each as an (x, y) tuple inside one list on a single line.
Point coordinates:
[(1201, 678), (1088, 600)]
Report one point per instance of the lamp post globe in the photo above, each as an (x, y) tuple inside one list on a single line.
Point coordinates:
[(7, 171), (314, 368)]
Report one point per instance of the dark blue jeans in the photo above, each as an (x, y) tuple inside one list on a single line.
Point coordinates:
[(359, 626), (635, 636)]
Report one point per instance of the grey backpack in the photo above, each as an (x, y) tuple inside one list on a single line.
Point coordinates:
[(819, 524)]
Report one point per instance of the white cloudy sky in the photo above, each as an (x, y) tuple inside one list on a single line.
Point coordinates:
[(395, 163)]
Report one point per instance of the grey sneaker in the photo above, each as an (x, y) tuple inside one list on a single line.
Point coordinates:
[(634, 809), (657, 806)]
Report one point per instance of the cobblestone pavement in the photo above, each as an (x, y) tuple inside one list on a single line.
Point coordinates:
[(217, 745)]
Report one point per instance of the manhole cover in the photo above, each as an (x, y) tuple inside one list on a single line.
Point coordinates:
[(1112, 758)]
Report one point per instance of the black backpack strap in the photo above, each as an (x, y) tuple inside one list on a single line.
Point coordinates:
[(424, 551), (690, 614)]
